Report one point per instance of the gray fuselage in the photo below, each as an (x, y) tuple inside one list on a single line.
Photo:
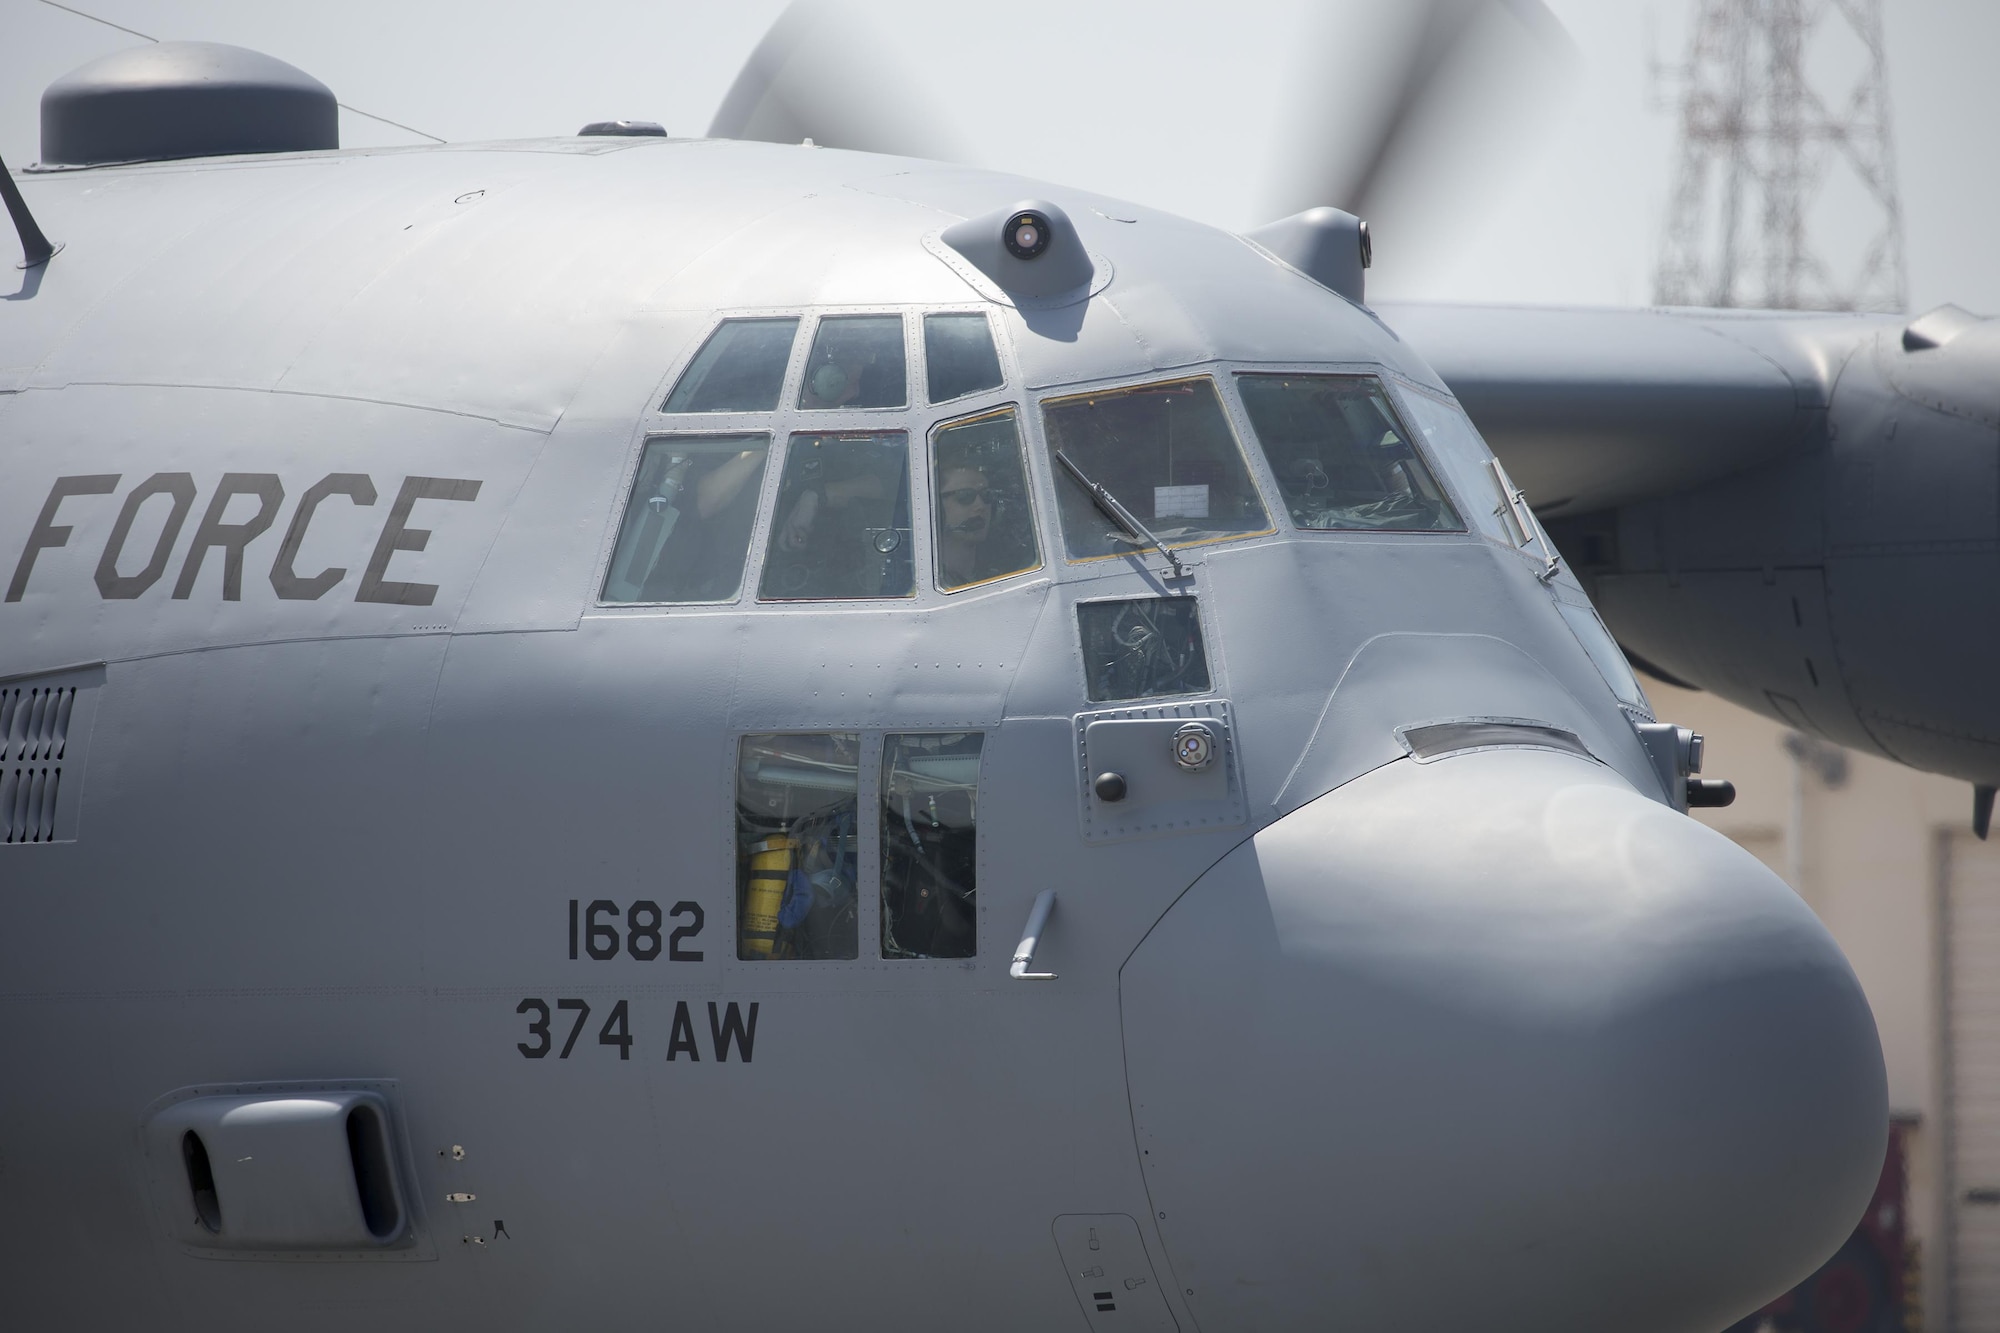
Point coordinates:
[(1492, 1037)]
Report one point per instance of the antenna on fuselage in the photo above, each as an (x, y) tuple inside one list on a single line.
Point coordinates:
[(35, 247)]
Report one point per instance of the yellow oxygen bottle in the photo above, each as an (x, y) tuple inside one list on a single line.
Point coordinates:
[(770, 868)]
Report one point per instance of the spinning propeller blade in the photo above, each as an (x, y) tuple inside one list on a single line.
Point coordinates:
[(824, 72), (1409, 115)]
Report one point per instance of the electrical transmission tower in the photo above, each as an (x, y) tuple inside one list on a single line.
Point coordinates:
[(1785, 193)]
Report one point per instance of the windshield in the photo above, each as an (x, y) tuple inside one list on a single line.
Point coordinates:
[(841, 527), (856, 362), (1166, 452), (1341, 457), (740, 368)]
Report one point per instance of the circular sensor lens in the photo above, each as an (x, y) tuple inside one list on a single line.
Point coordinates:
[(1026, 235), (1194, 746)]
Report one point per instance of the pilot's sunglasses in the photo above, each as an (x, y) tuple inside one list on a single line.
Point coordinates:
[(966, 495)]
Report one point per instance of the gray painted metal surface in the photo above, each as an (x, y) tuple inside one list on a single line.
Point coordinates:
[(312, 483), (1798, 512)]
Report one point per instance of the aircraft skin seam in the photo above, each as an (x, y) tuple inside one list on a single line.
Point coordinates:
[(527, 428)]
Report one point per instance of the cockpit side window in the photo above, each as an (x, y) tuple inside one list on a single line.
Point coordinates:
[(984, 521), (687, 525), (741, 368), (930, 845), (857, 361), (1168, 455), (841, 528), (1341, 457), (1464, 459), (1142, 647), (797, 847), (959, 357)]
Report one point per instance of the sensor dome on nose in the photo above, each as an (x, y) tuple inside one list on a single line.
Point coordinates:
[(1031, 250)]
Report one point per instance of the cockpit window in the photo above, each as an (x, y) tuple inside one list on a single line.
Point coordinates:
[(959, 357), (741, 368), (841, 528), (797, 847), (857, 361), (1465, 461), (1142, 648), (687, 525), (984, 522), (1165, 452), (1341, 457), (930, 845)]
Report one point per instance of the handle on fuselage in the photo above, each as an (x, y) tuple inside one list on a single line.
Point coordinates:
[(1031, 938)]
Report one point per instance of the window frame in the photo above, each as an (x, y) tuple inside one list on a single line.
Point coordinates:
[(1420, 446), (1208, 647), (917, 419), (767, 514), (789, 403), (1261, 481), (1008, 376), (663, 392), (980, 934), (990, 950), (630, 478), (1028, 489)]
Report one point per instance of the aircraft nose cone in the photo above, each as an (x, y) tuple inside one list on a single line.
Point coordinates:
[(1495, 1042)]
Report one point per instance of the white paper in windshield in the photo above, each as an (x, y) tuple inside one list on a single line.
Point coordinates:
[(1180, 502)]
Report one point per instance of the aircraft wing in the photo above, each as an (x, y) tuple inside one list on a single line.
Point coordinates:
[(1595, 407)]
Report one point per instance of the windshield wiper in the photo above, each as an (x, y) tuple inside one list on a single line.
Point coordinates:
[(1108, 504)]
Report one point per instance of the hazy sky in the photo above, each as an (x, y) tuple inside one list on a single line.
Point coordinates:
[(1175, 103)]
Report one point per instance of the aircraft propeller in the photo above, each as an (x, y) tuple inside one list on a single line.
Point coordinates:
[(1407, 115), (824, 72)]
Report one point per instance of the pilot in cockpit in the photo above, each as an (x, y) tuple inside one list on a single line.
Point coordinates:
[(965, 522), (702, 560), (985, 529)]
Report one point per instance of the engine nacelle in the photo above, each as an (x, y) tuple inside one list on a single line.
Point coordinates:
[(1850, 589)]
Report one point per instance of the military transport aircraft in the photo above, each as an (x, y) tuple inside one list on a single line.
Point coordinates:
[(618, 731)]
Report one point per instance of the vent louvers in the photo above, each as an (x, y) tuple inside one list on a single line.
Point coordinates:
[(34, 737)]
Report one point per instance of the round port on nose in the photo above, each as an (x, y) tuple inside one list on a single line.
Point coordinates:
[(1109, 786)]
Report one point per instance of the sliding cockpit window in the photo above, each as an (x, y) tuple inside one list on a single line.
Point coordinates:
[(1466, 463), (985, 522), (1165, 453), (687, 524), (741, 368), (1341, 457)]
